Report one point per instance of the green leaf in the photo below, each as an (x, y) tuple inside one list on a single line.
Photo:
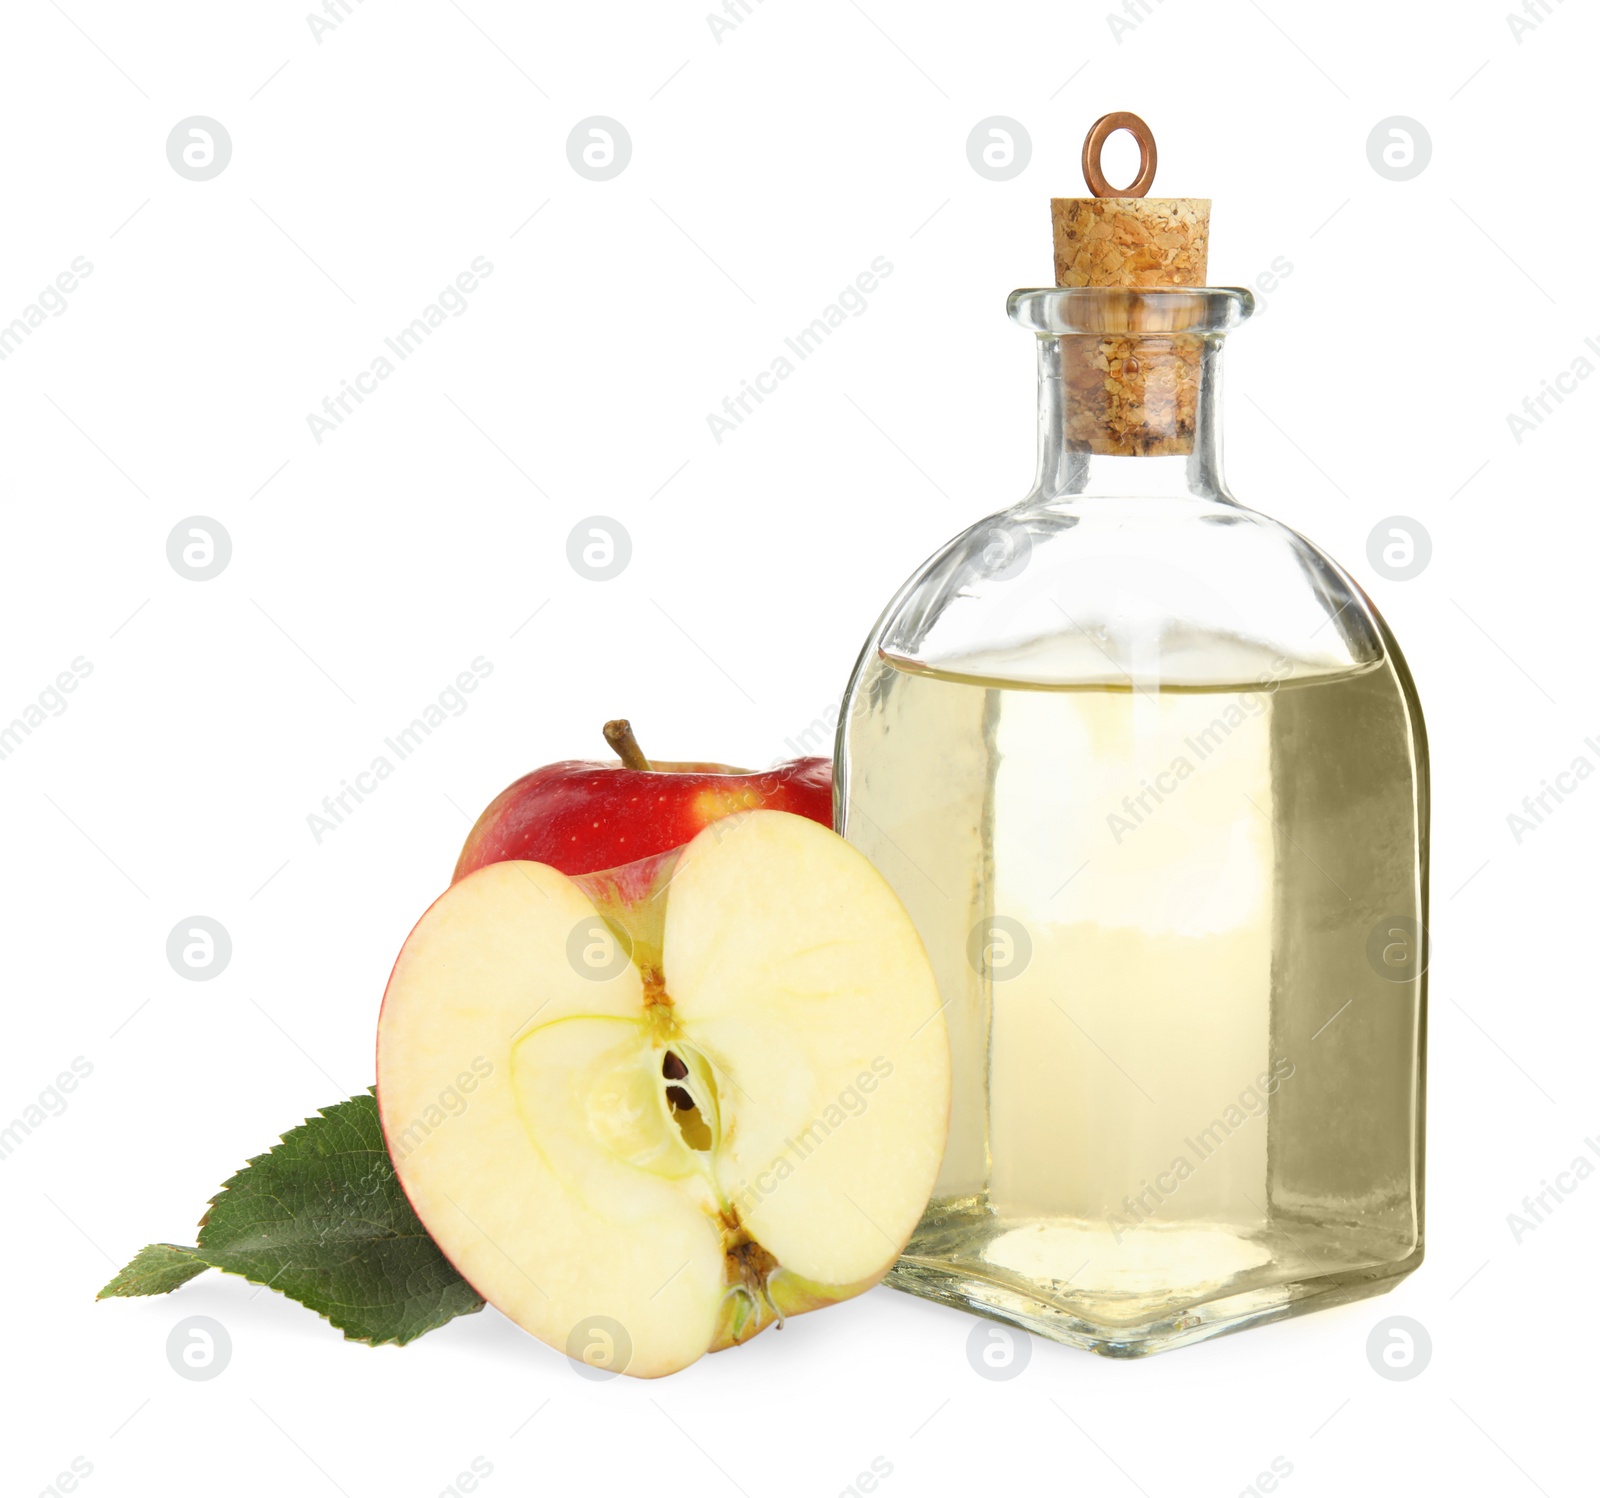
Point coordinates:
[(156, 1270), (321, 1218)]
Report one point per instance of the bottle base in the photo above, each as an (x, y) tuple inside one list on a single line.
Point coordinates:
[(1055, 1316)]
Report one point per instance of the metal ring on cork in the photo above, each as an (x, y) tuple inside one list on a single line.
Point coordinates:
[(1094, 142)]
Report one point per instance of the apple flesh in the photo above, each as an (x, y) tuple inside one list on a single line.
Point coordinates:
[(581, 814), (647, 1112)]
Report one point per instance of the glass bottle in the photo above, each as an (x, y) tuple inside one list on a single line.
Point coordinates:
[(1149, 772)]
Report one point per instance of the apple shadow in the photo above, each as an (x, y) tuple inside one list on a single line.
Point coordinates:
[(489, 1334)]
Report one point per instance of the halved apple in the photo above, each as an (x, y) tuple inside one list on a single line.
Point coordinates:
[(646, 1112)]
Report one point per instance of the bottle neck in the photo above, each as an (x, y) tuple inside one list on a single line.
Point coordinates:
[(1130, 415)]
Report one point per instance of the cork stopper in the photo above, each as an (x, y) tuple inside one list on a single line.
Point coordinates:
[(1130, 241), (1132, 391)]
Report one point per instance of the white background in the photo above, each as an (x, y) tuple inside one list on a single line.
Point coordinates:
[(768, 169)]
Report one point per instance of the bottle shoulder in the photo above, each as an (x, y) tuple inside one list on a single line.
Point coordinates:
[(1178, 591)]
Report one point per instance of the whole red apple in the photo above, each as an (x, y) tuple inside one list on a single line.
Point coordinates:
[(583, 815)]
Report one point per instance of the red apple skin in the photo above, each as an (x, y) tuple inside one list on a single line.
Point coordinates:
[(580, 816)]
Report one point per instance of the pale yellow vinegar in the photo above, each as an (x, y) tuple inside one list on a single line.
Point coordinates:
[(1182, 1089)]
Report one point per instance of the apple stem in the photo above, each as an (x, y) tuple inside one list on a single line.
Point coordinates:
[(619, 734)]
